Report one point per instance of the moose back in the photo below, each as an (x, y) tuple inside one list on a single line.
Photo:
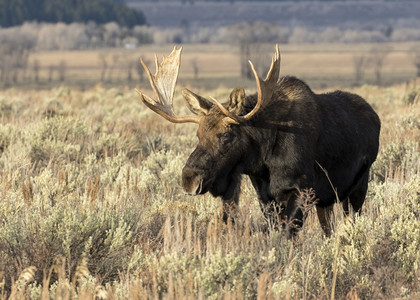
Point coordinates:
[(285, 137)]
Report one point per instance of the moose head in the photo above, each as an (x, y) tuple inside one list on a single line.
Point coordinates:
[(221, 154)]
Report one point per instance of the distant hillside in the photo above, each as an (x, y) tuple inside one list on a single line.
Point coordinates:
[(310, 14), (17, 12)]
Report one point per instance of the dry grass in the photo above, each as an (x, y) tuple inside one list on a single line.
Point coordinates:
[(91, 208)]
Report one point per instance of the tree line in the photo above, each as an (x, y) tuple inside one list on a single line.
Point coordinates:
[(16, 12), (19, 42)]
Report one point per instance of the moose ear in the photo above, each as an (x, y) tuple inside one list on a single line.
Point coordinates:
[(237, 100), (197, 104)]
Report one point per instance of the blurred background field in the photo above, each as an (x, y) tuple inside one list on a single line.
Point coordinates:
[(210, 65), (90, 201), (327, 43)]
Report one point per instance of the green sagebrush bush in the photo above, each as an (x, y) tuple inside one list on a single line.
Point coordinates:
[(59, 139), (90, 197), (403, 156), (56, 222)]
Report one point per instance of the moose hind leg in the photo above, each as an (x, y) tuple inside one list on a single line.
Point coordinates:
[(324, 217)]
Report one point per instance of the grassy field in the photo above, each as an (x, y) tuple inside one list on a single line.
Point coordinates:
[(91, 206), (321, 65)]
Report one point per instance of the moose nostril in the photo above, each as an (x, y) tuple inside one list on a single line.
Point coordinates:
[(192, 181), (193, 187), (199, 187)]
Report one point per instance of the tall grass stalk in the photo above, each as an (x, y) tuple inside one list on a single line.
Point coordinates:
[(91, 208)]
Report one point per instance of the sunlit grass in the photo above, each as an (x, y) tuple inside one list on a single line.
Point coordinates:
[(91, 206)]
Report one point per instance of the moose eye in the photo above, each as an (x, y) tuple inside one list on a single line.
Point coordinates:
[(226, 136)]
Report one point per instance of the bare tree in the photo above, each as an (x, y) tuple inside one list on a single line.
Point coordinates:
[(62, 69), (377, 59), (51, 69), (36, 68), (195, 67), (251, 37), (415, 58), (4, 62), (261, 61), (140, 69), (24, 65), (115, 60), (18, 62), (16, 43), (252, 51), (129, 71), (359, 65), (112, 34), (104, 64), (13, 60), (127, 63), (245, 53)]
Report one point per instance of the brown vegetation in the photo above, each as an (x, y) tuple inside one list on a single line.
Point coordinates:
[(90, 204)]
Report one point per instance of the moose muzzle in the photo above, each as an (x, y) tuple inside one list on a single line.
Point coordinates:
[(192, 181)]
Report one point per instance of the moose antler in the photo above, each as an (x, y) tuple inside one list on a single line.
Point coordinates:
[(163, 84), (264, 89)]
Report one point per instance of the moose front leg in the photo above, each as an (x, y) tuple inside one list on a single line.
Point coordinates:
[(287, 193), (269, 206), (280, 208), (292, 216), (285, 212), (230, 201)]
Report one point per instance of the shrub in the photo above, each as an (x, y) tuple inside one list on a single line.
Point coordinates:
[(411, 96), (59, 139), (90, 197), (398, 156)]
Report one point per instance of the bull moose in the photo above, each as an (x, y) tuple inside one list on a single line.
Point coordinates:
[(285, 137)]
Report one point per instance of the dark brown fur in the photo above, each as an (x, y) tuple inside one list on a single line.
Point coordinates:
[(285, 148)]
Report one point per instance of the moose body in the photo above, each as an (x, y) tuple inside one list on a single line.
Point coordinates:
[(285, 138)]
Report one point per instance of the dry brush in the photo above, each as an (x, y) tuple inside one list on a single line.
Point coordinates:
[(91, 206)]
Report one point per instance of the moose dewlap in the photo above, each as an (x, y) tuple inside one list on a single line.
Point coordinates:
[(285, 138)]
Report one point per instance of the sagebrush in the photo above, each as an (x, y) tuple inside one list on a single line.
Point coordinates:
[(91, 206)]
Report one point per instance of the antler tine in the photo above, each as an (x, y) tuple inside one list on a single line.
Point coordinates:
[(274, 72), (163, 84), (226, 112), (262, 86), (266, 85), (259, 94), (168, 115)]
